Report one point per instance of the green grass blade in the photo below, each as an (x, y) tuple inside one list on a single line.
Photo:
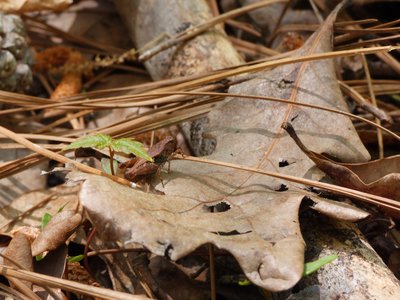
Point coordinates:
[(76, 258), (313, 266)]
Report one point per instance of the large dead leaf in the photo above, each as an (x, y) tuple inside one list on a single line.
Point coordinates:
[(255, 217)]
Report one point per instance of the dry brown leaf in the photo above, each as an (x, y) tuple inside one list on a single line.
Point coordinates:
[(379, 177), (28, 209), (19, 250), (16, 185), (175, 226), (56, 232), (255, 218), (21, 6), (30, 232)]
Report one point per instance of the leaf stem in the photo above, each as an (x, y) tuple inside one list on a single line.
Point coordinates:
[(111, 160)]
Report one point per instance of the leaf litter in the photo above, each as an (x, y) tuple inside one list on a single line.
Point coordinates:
[(225, 200), (56, 232), (259, 225), (379, 177)]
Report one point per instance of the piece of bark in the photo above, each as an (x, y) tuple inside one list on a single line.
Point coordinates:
[(149, 20)]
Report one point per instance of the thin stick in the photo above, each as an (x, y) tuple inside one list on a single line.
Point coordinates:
[(60, 158), (111, 150), (278, 23), (86, 250), (363, 103), (316, 11), (17, 295), (24, 288), (244, 27), (68, 285)]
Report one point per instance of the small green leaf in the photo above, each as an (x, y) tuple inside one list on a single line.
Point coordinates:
[(105, 163), (45, 220), (76, 258), (313, 266), (244, 282), (98, 141), (39, 257), (396, 98), (129, 146)]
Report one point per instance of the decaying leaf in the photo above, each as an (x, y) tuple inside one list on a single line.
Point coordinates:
[(175, 226), (19, 250), (56, 232), (248, 132), (379, 177), (21, 6), (254, 217), (28, 209)]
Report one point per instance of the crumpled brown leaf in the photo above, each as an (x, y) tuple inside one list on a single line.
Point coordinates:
[(256, 217), (19, 250), (379, 177), (175, 226), (21, 6), (56, 232)]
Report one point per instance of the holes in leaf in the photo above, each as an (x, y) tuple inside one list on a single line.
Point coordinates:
[(282, 188), (219, 207), (168, 251), (228, 233), (283, 163)]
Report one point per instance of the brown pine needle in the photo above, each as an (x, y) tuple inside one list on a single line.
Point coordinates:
[(362, 196), (373, 100), (72, 286)]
